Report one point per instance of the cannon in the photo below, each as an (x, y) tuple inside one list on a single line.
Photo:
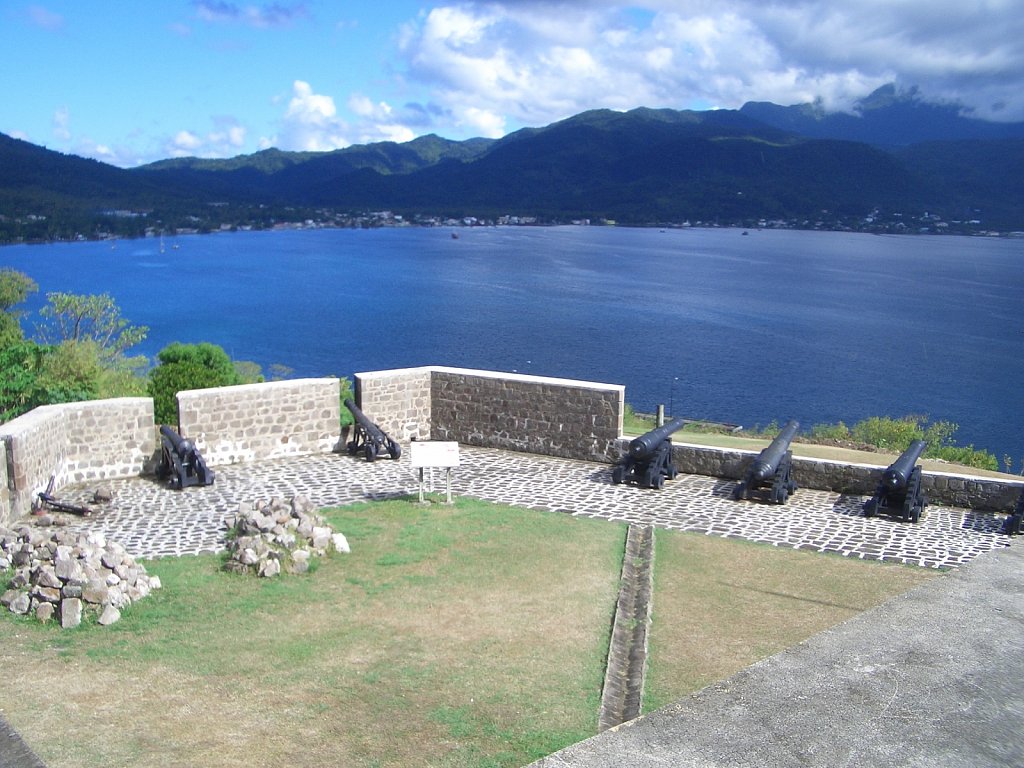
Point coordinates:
[(368, 437), (1014, 524), (772, 469), (899, 492), (181, 464), (648, 460)]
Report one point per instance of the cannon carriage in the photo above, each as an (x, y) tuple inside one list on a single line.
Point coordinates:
[(1014, 524), (899, 492), (772, 470), (368, 438), (181, 464), (648, 460)]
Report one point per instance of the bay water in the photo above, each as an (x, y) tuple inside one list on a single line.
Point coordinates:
[(714, 323)]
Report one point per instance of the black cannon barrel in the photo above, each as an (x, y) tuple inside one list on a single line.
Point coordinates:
[(180, 443), (767, 461), (648, 442), (897, 474), (372, 430)]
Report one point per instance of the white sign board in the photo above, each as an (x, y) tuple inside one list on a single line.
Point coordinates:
[(434, 454)]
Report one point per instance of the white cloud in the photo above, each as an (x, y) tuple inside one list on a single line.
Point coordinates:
[(184, 143), (535, 61), (45, 18), (262, 16), (62, 124), (226, 139), (311, 122)]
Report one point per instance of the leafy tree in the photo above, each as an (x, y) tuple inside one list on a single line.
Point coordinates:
[(15, 287), (10, 330), (346, 393), (96, 318), (248, 372), (187, 366), (34, 374)]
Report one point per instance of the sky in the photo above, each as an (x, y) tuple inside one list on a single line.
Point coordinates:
[(133, 82)]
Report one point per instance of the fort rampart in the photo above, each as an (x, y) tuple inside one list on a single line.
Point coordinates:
[(252, 422), (534, 414), (81, 442), (74, 442)]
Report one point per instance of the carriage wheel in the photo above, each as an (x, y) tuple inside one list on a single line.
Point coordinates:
[(619, 475), (370, 452)]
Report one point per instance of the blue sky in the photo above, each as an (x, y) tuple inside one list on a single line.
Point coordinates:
[(133, 82)]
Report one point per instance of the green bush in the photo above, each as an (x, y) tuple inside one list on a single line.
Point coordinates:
[(187, 366), (887, 433), (830, 431), (346, 394), (967, 456)]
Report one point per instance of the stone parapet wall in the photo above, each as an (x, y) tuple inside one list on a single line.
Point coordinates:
[(535, 414), (5, 488), (397, 401), (252, 422), (75, 442), (965, 491)]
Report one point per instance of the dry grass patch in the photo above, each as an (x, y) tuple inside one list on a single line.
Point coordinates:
[(472, 635), (720, 605)]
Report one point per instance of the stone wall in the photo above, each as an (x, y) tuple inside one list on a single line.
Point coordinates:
[(536, 414), (5, 486), (397, 401), (75, 442), (966, 491), (262, 421)]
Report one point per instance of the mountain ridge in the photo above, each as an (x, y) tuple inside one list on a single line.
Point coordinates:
[(643, 166)]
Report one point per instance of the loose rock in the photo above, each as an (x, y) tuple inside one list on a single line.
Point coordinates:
[(69, 575), (270, 537)]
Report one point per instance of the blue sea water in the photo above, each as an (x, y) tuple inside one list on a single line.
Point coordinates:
[(816, 326)]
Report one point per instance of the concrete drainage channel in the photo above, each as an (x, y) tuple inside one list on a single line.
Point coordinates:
[(627, 653)]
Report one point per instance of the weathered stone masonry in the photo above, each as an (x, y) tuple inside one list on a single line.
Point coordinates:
[(855, 479), (75, 442), (533, 414), (262, 421), (106, 439)]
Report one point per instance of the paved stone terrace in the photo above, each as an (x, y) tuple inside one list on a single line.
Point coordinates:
[(151, 520)]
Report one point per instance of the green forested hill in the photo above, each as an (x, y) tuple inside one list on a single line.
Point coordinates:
[(644, 166)]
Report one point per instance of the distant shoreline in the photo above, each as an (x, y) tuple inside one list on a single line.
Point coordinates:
[(299, 226)]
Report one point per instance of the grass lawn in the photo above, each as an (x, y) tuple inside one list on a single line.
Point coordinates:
[(719, 605), (451, 636), (472, 635)]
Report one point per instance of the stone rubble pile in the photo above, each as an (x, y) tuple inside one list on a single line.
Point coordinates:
[(269, 537), (70, 576)]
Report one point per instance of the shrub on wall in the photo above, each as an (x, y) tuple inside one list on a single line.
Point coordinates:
[(187, 366)]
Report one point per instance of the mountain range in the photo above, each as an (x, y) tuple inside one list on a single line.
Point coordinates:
[(895, 162)]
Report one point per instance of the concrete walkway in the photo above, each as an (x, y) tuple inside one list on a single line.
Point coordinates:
[(930, 679)]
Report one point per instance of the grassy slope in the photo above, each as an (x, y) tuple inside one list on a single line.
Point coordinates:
[(465, 636), (720, 605)]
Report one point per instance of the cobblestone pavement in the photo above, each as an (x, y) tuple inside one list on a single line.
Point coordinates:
[(151, 520)]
